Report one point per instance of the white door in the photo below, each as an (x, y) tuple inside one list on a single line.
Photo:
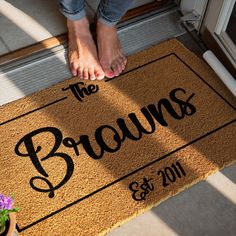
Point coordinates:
[(220, 20)]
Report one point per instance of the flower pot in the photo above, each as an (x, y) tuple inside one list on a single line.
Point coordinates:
[(10, 226)]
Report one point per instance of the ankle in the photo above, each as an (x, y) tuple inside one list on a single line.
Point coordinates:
[(103, 26), (82, 21), (78, 26)]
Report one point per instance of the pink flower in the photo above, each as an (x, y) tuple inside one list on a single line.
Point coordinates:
[(6, 203)]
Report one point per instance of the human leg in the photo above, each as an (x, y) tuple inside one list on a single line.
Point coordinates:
[(82, 52), (72, 9), (110, 53), (111, 11)]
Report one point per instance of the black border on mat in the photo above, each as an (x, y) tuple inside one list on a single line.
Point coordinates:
[(143, 167)]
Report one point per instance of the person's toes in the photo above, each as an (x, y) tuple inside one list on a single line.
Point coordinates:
[(80, 72), (99, 75), (124, 61), (108, 71), (121, 65), (74, 68), (115, 68), (118, 68), (91, 74), (85, 74)]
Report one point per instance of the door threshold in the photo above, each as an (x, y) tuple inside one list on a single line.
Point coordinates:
[(39, 71), (47, 44)]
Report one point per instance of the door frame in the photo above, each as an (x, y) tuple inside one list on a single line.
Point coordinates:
[(216, 21), (197, 6)]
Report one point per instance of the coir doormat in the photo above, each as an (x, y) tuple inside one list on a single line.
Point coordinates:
[(83, 157)]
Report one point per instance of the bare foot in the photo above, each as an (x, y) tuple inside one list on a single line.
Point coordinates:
[(110, 54), (82, 51)]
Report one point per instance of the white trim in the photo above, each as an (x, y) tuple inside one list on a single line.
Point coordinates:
[(215, 21), (225, 49), (225, 41), (190, 6), (224, 16), (228, 44), (187, 6), (221, 71)]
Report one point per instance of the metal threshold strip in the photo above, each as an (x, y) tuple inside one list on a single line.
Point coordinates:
[(34, 73)]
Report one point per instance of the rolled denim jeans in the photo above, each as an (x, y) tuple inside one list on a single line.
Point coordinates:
[(108, 12)]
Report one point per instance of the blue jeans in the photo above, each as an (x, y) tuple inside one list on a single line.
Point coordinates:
[(109, 11)]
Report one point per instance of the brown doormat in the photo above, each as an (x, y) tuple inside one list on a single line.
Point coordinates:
[(83, 157)]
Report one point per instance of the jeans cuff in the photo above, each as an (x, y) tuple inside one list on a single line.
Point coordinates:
[(105, 20), (73, 16)]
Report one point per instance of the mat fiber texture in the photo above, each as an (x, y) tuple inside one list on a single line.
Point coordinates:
[(84, 157)]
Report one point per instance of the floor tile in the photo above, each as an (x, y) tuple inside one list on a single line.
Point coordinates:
[(25, 22), (3, 48), (207, 208)]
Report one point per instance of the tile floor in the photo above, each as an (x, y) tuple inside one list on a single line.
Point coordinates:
[(3, 48), (206, 209), (23, 23), (26, 22)]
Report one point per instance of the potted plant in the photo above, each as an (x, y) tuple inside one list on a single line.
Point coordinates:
[(7, 216)]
